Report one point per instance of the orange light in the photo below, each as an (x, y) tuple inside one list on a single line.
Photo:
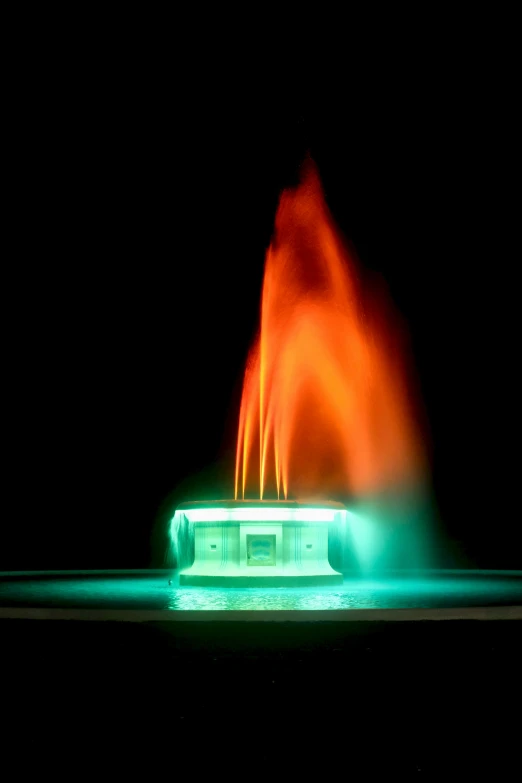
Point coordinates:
[(326, 402)]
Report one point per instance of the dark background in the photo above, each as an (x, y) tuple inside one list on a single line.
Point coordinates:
[(143, 201)]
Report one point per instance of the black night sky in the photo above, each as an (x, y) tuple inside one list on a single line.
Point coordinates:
[(145, 202)]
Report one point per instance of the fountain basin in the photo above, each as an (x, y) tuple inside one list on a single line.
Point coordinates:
[(257, 543)]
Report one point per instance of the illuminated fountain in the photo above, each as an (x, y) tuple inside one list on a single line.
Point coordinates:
[(257, 543), (327, 413)]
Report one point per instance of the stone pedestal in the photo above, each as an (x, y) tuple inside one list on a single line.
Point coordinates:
[(259, 544)]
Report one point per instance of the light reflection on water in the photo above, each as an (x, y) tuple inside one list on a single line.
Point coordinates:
[(382, 594), (154, 592), (257, 600)]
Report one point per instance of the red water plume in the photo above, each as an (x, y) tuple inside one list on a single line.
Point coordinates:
[(326, 409)]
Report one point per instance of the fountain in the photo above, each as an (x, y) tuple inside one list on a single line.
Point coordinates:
[(258, 543), (327, 414)]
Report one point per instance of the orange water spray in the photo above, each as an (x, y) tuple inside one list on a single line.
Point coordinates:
[(326, 409)]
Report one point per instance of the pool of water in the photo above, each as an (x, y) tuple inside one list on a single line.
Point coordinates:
[(152, 591)]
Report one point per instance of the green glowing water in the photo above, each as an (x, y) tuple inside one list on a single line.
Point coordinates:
[(444, 590)]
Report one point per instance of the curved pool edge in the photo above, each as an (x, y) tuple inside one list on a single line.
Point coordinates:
[(487, 613), (173, 572)]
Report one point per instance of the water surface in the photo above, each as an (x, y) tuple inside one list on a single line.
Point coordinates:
[(443, 590)]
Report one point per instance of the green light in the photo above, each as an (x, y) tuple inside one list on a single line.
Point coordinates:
[(269, 514), (286, 541)]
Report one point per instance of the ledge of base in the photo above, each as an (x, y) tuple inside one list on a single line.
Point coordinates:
[(275, 580)]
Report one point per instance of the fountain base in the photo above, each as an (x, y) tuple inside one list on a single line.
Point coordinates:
[(259, 543)]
